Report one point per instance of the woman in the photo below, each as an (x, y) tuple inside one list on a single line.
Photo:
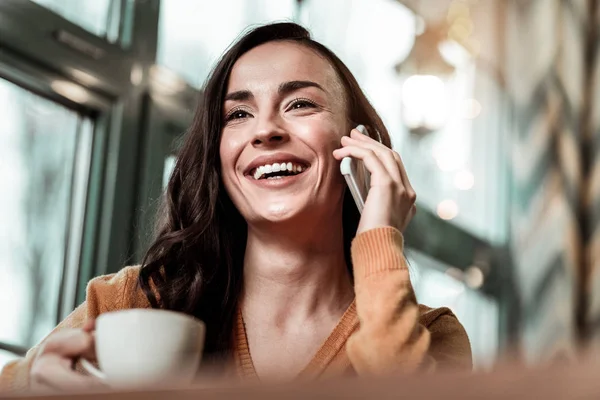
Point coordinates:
[(275, 260)]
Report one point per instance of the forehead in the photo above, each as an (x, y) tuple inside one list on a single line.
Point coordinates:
[(276, 62)]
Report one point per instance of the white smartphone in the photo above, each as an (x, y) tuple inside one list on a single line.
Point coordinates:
[(357, 176)]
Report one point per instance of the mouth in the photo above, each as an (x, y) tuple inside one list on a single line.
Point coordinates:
[(276, 166), (278, 170)]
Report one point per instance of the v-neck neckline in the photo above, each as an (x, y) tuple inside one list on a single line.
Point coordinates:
[(331, 347)]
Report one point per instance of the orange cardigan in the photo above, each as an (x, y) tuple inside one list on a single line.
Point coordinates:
[(367, 340)]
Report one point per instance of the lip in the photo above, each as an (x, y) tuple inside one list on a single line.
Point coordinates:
[(275, 183), (274, 158)]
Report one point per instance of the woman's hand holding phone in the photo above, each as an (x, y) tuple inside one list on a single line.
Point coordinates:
[(391, 198)]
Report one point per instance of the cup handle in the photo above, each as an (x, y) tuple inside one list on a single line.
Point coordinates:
[(89, 368)]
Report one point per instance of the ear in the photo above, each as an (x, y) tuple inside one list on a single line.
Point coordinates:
[(373, 133)]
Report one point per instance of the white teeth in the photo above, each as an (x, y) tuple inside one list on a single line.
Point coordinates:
[(259, 172)]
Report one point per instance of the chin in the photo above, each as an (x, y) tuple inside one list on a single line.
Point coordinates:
[(302, 208), (280, 212)]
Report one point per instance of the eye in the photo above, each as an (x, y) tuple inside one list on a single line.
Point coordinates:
[(237, 114), (301, 103)]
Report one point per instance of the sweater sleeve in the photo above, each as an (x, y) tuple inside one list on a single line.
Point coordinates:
[(449, 347), (103, 294), (395, 334)]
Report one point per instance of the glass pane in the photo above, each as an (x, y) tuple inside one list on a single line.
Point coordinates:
[(100, 17), (370, 36), (436, 286), (6, 357), (458, 170), (44, 152), (193, 34)]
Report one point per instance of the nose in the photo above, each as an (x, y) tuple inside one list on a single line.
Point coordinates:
[(269, 133)]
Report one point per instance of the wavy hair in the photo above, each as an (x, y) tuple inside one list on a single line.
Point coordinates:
[(195, 263)]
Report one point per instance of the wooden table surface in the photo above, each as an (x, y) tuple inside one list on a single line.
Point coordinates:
[(576, 381)]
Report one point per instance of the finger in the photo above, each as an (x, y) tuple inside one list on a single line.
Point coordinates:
[(71, 381), (55, 372), (90, 325), (69, 343), (413, 210), (374, 144), (391, 160), (356, 134), (379, 174), (405, 180), (384, 154), (90, 353)]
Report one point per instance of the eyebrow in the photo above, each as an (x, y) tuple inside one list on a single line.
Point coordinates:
[(292, 86), (240, 95), (284, 88)]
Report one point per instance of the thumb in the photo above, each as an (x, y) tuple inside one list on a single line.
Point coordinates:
[(69, 343), (89, 325)]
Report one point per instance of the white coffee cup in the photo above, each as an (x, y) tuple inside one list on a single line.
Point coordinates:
[(146, 348)]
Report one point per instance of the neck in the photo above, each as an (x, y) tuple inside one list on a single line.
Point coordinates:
[(293, 276)]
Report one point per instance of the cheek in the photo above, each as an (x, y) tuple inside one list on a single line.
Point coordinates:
[(323, 136), (229, 152)]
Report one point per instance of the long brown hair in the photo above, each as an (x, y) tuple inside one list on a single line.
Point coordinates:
[(195, 263)]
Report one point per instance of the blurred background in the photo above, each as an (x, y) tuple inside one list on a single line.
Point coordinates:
[(494, 106)]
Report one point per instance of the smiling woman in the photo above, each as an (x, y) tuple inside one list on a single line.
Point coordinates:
[(259, 238), (285, 100)]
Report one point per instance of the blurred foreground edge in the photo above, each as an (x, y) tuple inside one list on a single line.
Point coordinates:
[(575, 381)]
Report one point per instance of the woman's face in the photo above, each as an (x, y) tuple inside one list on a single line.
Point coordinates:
[(284, 114)]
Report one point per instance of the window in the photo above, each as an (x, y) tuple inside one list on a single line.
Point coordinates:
[(6, 357), (458, 171), (100, 17), (193, 34), (44, 163), (370, 36)]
